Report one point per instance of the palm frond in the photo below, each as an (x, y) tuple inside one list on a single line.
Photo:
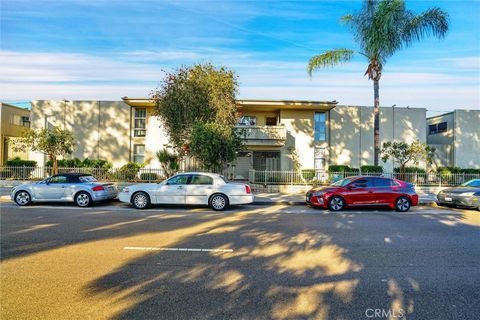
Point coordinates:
[(431, 22), (329, 59), (346, 19)]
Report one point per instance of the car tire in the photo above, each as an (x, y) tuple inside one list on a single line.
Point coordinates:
[(83, 199), (23, 198), (402, 204), (141, 200), (336, 203), (218, 202)]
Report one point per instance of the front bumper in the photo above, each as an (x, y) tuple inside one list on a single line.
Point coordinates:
[(461, 201), (124, 197), (313, 200)]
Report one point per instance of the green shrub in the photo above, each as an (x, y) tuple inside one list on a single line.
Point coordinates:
[(77, 163), (449, 170), (148, 176), (410, 170), (17, 162), (127, 172), (354, 171), (338, 168), (470, 171), (308, 174), (371, 169)]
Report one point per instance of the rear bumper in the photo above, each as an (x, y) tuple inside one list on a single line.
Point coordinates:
[(242, 199), (100, 195)]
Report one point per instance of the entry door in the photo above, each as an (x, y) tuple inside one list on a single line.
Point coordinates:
[(362, 192), (266, 160), (53, 189), (173, 191)]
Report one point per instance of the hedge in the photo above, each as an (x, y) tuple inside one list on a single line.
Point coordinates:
[(410, 170), (371, 169), (77, 163), (17, 162)]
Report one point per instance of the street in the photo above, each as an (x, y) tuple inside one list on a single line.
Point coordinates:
[(251, 262)]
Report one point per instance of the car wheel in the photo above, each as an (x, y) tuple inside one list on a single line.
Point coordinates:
[(140, 200), (336, 203), (402, 204), (218, 202), (83, 199), (23, 198)]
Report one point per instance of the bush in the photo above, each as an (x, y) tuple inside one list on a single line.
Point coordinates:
[(339, 168), (449, 170), (308, 174), (148, 176), (127, 172), (17, 162), (371, 169), (410, 170), (77, 163), (471, 171)]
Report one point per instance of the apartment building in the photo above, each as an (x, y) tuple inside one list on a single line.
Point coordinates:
[(13, 121), (456, 138), (278, 132)]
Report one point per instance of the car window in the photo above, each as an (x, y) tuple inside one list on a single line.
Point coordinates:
[(363, 183), (87, 179), (382, 182), (201, 179), (224, 179), (180, 179), (341, 183), (58, 179)]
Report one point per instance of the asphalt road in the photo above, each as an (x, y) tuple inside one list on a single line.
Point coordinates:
[(252, 262)]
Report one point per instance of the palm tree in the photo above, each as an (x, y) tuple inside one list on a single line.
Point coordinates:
[(381, 28)]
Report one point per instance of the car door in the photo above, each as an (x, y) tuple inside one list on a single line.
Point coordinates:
[(52, 189), (360, 191), (383, 192), (199, 189), (173, 191)]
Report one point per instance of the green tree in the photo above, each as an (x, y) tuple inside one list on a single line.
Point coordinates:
[(381, 28), (403, 153), (214, 145), (198, 102), (199, 94), (52, 142), (168, 161)]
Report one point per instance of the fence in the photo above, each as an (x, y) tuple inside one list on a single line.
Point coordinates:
[(102, 174), (313, 177)]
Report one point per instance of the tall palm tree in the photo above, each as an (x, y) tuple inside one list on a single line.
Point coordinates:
[(381, 28)]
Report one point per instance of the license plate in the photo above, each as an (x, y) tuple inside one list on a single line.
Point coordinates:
[(448, 199)]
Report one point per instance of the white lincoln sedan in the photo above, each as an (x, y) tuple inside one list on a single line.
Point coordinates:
[(189, 188)]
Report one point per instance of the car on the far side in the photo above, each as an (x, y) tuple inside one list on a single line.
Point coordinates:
[(190, 188), (364, 191), (81, 188), (464, 195)]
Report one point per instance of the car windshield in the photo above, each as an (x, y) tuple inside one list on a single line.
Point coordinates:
[(341, 183), (472, 183), (87, 179)]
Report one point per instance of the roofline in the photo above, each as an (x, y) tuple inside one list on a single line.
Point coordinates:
[(12, 106), (441, 115)]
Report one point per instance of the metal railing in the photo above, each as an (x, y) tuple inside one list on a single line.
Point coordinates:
[(313, 177), (101, 174)]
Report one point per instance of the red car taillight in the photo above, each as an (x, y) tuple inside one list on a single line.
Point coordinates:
[(247, 189), (98, 188)]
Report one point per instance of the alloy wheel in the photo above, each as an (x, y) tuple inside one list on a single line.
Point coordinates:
[(403, 204), (140, 201), (336, 204), (22, 198), (218, 202), (83, 199)]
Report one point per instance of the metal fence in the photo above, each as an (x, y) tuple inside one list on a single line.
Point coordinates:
[(313, 177), (101, 174)]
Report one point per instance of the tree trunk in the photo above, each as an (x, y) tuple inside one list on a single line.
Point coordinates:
[(55, 165), (402, 171), (376, 123)]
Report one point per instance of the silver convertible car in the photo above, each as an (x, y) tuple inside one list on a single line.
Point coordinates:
[(195, 188), (81, 188)]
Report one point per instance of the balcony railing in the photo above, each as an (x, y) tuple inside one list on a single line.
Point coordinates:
[(264, 135)]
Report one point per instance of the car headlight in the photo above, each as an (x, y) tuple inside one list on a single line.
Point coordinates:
[(125, 189)]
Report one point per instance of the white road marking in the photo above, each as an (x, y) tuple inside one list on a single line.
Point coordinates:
[(177, 249)]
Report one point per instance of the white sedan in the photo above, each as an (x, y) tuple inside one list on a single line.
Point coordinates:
[(189, 188)]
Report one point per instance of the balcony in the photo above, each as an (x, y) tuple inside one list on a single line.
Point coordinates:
[(264, 135)]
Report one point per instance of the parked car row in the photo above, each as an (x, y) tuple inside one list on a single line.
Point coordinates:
[(214, 190)]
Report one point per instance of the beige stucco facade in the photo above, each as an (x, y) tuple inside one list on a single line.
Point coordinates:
[(278, 133), (13, 121), (458, 142)]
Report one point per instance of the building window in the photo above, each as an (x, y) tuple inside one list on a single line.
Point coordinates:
[(248, 121), (139, 153), (441, 127), (26, 121), (437, 128), (320, 127), (271, 121), (140, 122)]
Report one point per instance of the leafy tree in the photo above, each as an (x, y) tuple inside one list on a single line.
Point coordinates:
[(381, 28), (214, 145), (168, 161), (52, 142), (404, 153), (199, 94)]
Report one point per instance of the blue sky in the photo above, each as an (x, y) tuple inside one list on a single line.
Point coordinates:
[(110, 49)]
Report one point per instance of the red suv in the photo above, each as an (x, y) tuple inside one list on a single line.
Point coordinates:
[(364, 191)]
